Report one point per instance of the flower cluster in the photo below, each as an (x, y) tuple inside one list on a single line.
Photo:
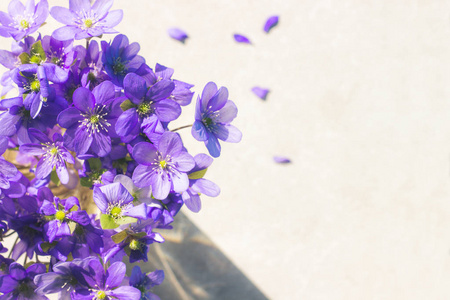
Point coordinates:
[(93, 118)]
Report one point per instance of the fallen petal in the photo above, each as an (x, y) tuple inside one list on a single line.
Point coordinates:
[(281, 160), (241, 39), (177, 34), (260, 92), (270, 23)]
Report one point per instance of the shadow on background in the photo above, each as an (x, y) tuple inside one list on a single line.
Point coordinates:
[(195, 268)]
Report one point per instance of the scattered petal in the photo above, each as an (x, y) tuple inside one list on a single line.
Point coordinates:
[(270, 23), (241, 39), (177, 34), (260, 92), (281, 160)]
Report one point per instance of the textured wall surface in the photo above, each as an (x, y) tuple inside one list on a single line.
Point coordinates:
[(360, 101)]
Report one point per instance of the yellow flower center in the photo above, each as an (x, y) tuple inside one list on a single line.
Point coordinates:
[(115, 212), (53, 151), (24, 24), (35, 86), (60, 215), (134, 245), (101, 295), (163, 164), (88, 23), (93, 119)]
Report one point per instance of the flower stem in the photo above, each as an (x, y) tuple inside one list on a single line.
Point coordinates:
[(182, 127), (10, 252)]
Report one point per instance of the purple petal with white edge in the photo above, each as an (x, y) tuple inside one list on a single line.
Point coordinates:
[(63, 15), (145, 153), (36, 104), (44, 167), (115, 274), (126, 293), (227, 113), (207, 187), (127, 122), (281, 159), (208, 92), (167, 110), (100, 200), (113, 18), (180, 182), (184, 161), (219, 100), (260, 92), (69, 117), (160, 186), (65, 33), (199, 131), (228, 133), (32, 149), (213, 146), (83, 99), (177, 34), (16, 8), (170, 144), (101, 7), (241, 39), (202, 161), (142, 176), (116, 192), (270, 23), (63, 173), (139, 211), (135, 87), (192, 201), (101, 144)]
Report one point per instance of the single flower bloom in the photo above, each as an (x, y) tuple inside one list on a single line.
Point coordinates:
[(106, 285), (145, 282), (164, 167), (241, 39), (19, 283), (213, 115), (281, 159), (54, 154), (260, 92), (89, 122), (85, 21), (198, 185), (177, 34), (23, 20), (120, 58), (270, 23)]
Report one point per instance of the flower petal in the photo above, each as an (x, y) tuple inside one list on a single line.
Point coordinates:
[(227, 113), (260, 92), (241, 39), (192, 201), (62, 15), (199, 131), (177, 34), (83, 99), (207, 187), (228, 133), (115, 274), (145, 153), (160, 185), (281, 159), (213, 146), (126, 293), (219, 99)]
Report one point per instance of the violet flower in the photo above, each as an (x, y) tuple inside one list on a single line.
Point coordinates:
[(106, 285), (54, 154), (270, 23), (3, 144), (120, 58), (164, 167), (260, 92), (177, 34), (23, 20), (19, 283), (198, 185), (213, 115), (89, 122), (241, 39), (85, 21), (145, 282), (142, 195)]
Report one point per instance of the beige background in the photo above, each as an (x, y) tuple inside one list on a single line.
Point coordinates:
[(360, 101)]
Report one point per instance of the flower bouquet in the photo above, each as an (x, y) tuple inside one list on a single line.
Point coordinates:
[(92, 168)]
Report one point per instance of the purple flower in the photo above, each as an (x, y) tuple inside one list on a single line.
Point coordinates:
[(91, 119), (83, 21), (3, 144), (143, 195), (60, 53), (114, 201), (145, 282), (270, 23), (198, 185), (281, 159), (164, 167), (144, 102), (120, 58), (260, 92), (106, 286), (213, 115), (60, 212), (7, 171), (19, 283), (182, 93), (177, 34), (54, 154), (24, 20), (241, 39)]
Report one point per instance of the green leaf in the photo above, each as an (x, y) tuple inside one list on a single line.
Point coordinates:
[(95, 164), (45, 246), (108, 222), (198, 174), (119, 237), (29, 264), (126, 105), (38, 51), (24, 58), (139, 235), (86, 182), (126, 220), (54, 178)]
